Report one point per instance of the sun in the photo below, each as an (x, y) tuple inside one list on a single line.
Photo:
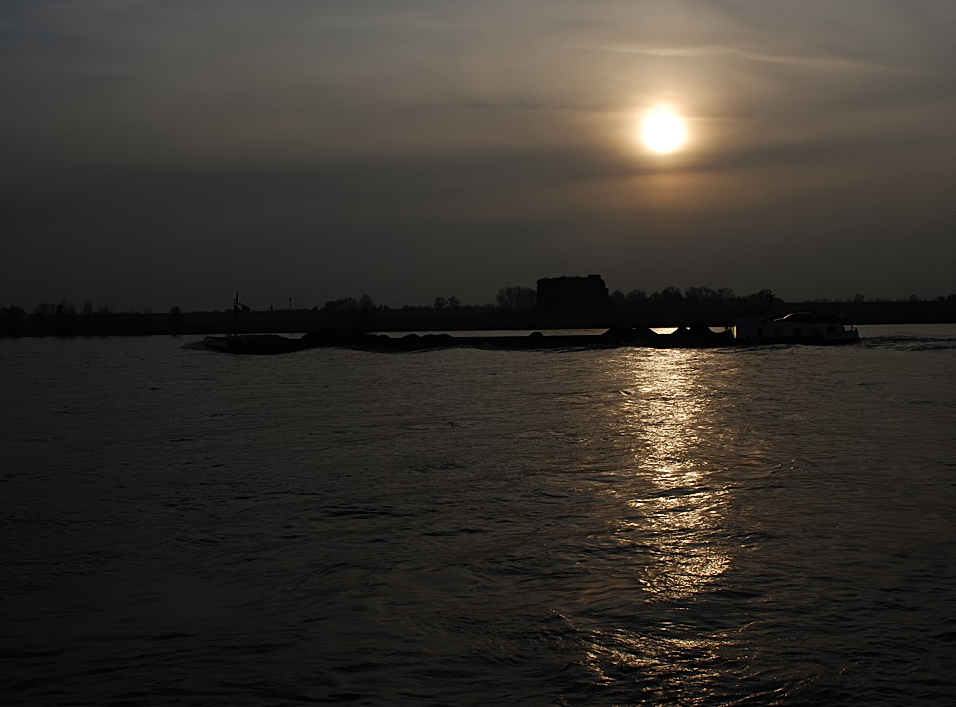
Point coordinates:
[(662, 130)]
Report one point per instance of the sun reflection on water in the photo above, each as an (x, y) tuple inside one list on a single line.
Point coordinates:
[(679, 508), (671, 508)]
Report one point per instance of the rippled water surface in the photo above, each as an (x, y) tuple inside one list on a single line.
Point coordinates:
[(767, 526)]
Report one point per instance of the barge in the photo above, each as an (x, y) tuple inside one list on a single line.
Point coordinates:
[(797, 328)]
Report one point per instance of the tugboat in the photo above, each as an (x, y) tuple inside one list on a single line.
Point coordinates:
[(795, 328)]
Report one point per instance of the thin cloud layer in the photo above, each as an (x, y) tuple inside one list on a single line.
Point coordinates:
[(160, 153)]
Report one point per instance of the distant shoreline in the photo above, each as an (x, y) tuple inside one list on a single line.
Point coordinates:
[(651, 315)]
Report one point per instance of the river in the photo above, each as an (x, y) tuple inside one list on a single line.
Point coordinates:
[(764, 526)]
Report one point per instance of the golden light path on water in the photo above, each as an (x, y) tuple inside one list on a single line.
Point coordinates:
[(671, 518), (672, 421)]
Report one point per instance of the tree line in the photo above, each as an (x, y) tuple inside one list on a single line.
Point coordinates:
[(64, 319)]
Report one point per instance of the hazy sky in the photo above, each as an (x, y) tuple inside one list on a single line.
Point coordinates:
[(169, 152)]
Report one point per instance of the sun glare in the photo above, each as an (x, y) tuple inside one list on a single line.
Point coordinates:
[(662, 130)]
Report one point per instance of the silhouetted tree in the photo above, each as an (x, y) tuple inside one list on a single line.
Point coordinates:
[(346, 304), (454, 302), (669, 294), (759, 302), (516, 298), (440, 303), (65, 318), (699, 294)]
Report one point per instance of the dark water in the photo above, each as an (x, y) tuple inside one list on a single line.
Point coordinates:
[(772, 526)]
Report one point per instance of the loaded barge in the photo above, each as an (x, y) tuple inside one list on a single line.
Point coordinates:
[(797, 328)]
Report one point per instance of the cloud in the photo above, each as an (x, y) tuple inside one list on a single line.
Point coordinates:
[(383, 142), (710, 51)]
